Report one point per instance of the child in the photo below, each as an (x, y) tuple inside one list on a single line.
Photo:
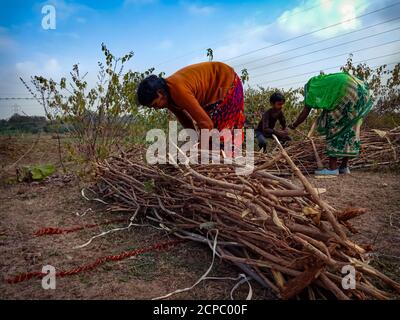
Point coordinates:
[(266, 126)]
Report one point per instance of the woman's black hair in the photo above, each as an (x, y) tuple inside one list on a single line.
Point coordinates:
[(148, 87), (277, 97)]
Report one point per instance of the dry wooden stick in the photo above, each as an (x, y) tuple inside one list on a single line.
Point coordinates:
[(261, 214), (312, 191)]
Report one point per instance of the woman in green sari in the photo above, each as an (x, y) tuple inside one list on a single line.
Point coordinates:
[(345, 100)]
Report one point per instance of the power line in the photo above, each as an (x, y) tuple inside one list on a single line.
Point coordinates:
[(19, 98), (311, 72), (323, 49), (16, 98), (311, 32), (316, 42), (298, 82), (24, 106), (17, 94), (230, 38), (331, 57)]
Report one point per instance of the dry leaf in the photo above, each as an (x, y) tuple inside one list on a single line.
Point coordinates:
[(312, 213), (380, 133)]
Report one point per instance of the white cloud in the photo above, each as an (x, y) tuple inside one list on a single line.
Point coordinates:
[(25, 66), (301, 20), (66, 10), (275, 62), (247, 36), (251, 35), (250, 39), (200, 10), (49, 67), (52, 66)]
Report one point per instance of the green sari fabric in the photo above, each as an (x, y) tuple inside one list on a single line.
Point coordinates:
[(344, 105), (326, 90)]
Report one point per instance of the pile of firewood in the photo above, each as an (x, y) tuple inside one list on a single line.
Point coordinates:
[(378, 148), (281, 234)]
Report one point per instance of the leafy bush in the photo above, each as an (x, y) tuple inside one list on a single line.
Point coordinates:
[(100, 118), (384, 83)]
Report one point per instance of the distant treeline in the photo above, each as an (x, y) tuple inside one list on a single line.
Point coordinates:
[(35, 124), (29, 124)]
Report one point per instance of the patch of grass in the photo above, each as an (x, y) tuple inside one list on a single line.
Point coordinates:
[(389, 265), (143, 266), (189, 257)]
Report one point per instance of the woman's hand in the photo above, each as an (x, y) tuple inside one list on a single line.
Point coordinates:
[(301, 118), (292, 126)]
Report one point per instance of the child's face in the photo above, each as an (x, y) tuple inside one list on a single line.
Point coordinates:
[(278, 105)]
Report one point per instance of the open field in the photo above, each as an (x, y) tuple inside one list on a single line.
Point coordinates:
[(27, 207)]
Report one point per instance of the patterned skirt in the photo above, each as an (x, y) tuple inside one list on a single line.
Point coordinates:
[(229, 112), (341, 126)]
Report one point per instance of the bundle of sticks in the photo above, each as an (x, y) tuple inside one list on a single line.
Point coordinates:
[(279, 232), (378, 148)]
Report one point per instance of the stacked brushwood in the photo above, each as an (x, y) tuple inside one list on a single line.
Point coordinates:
[(279, 232), (378, 148)]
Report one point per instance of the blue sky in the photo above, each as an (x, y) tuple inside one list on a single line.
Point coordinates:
[(171, 34)]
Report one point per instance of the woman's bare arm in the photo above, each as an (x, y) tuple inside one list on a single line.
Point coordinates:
[(183, 118), (301, 118)]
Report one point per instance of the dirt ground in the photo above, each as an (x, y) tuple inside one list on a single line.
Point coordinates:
[(57, 202)]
